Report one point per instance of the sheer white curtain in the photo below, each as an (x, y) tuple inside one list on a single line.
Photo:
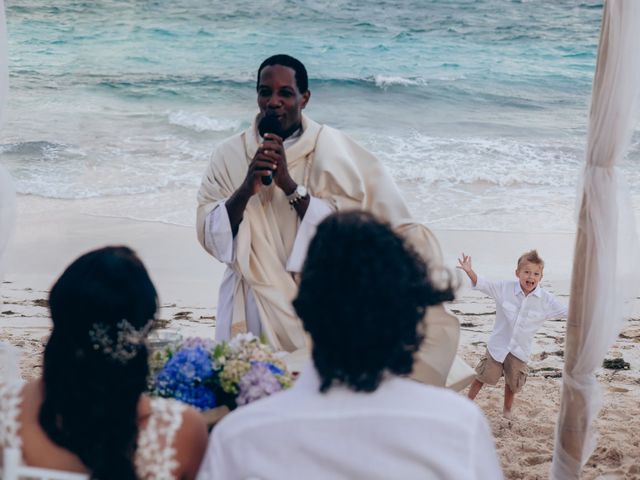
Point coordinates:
[(4, 83), (7, 193), (605, 270), (8, 355)]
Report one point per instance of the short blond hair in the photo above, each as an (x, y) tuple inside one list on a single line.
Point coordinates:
[(532, 257)]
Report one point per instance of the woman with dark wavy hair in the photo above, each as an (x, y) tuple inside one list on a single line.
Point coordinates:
[(353, 413), (88, 413)]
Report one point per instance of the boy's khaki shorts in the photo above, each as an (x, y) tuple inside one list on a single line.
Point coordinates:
[(515, 371)]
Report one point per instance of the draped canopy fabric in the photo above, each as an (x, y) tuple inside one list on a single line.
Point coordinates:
[(8, 354), (7, 194), (4, 75), (7, 213), (605, 270)]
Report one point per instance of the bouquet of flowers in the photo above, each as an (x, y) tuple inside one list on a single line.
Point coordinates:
[(207, 375)]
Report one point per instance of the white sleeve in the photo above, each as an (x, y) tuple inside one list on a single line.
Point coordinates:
[(206, 471), (317, 211), (216, 464), (218, 237), (556, 309), (487, 286), (484, 458)]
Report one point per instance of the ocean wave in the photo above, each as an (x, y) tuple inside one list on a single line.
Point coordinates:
[(591, 6), (128, 165), (38, 147), (448, 82), (142, 165), (76, 192), (142, 85), (384, 81), (202, 123), (480, 162), (244, 81), (163, 32), (104, 183)]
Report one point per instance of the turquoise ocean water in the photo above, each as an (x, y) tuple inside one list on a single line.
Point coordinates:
[(477, 108)]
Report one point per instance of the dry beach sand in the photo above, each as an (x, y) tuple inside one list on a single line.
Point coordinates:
[(51, 233)]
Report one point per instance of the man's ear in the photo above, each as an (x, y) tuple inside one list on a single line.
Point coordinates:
[(305, 98)]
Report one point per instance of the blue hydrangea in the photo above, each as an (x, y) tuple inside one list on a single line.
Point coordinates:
[(272, 368), (187, 377)]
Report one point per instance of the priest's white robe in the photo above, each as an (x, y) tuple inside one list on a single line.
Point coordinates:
[(344, 175)]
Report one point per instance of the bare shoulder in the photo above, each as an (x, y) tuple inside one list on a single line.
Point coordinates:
[(191, 443), (193, 422)]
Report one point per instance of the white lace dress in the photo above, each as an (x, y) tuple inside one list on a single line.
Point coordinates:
[(155, 457)]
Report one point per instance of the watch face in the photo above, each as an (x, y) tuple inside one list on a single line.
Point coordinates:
[(301, 190)]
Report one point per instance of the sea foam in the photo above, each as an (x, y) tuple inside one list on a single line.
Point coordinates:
[(201, 122)]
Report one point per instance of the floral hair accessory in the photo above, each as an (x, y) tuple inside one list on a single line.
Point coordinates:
[(128, 340)]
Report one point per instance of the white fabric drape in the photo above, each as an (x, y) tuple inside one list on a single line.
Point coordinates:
[(4, 75), (7, 193), (8, 354), (605, 269), (7, 214)]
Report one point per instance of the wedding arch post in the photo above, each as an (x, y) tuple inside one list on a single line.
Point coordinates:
[(604, 277)]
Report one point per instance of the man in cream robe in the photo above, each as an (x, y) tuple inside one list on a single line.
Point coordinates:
[(267, 252)]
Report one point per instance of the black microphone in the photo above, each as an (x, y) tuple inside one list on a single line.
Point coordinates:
[(269, 124)]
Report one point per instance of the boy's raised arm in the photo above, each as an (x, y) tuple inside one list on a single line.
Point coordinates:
[(464, 264), (557, 309)]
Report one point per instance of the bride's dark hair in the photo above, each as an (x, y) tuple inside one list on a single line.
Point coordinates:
[(92, 383)]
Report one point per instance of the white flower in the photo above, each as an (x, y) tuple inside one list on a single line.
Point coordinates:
[(241, 339)]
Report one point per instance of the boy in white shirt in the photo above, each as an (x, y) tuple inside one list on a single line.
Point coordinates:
[(522, 306)]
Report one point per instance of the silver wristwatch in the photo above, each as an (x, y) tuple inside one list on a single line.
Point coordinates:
[(298, 194)]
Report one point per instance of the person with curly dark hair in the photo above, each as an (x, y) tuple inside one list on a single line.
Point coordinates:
[(378, 297), (88, 412), (353, 412)]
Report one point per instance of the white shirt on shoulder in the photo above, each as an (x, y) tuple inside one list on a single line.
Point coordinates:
[(402, 430), (518, 317)]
